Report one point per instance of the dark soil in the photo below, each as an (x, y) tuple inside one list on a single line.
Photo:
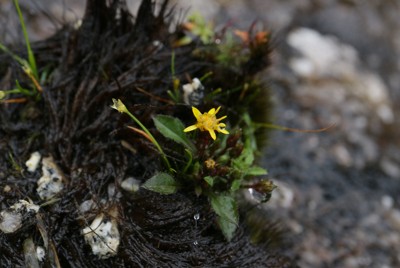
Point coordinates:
[(107, 57)]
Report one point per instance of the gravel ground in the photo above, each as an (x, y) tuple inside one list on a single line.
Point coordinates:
[(335, 62)]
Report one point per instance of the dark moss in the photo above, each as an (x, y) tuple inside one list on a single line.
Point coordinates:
[(108, 57)]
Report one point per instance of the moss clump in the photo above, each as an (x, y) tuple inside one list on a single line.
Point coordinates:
[(137, 60)]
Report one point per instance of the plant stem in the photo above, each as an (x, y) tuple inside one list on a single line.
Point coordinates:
[(153, 140), (31, 57)]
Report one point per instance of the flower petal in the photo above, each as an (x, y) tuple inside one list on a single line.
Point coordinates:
[(196, 112), (119, 106), (211, 111), (219, 119), (224, 131), (217, 109), (190, 128), (212, 134)]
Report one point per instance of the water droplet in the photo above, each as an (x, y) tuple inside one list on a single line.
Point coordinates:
[(196, 216), (257, 196), (195, 243)]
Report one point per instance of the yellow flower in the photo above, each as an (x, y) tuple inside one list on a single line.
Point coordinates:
[(208, 122), (210, 164), (119, 106)]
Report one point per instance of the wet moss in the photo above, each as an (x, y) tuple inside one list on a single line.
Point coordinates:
[(112, 56)]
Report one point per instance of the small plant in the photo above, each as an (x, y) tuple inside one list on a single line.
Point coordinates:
[(207, 163), (28, 66), (232, 48), (216, 168), (197, 28)]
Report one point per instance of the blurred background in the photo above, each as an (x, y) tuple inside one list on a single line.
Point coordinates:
[(334, 62)]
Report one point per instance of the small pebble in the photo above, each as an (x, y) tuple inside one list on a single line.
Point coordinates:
[(387, 202), (102, 236), (130, 185), (33, 162), (40, 253), (52, 180), (11, 218)]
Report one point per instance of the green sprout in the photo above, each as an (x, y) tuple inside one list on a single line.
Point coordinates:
[(174, 93), (197, 27), (31, 56), (28, 66)]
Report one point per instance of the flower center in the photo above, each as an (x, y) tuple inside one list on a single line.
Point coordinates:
[(207, 122)]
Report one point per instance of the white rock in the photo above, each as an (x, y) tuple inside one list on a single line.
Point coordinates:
[(193, 93), (325, 58), (33, 162), (373, 89), (11, 218), (7, 188), (342, 154), (25, 205), (10, 221), (40, 253), (130, 185), (102, 236), (282, 196), (387, 201), (52, 180), (321, 55), (303, 66), (390, 167), (385, 113)]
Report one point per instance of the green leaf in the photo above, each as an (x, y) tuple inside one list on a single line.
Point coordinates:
[(209, 180), (226, 208), (162, 183), (172, 128), (256, 171), (31, 57), (244, 161), (248, 157), (228, 228), (236, 185)]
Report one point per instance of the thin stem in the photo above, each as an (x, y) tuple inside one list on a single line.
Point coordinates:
[(152, 139), (173, 64), (31, 57), (272, 126), (189, 163)]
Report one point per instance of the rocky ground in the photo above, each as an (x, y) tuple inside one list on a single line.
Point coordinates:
[(335, 62)]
